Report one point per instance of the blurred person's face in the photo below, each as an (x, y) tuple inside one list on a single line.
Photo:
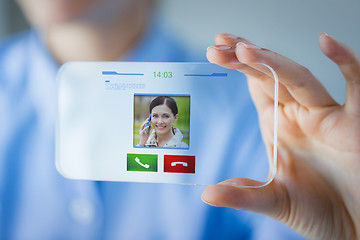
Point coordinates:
[(46, 13)]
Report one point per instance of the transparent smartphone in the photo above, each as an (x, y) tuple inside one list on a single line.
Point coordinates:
[(204, 130)]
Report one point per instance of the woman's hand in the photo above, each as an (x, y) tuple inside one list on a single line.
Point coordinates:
[(144, 132), (317, 188)]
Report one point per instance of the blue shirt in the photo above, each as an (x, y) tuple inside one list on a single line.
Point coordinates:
[(36, 202)]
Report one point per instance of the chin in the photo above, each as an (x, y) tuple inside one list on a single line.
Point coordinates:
[(44, 14)]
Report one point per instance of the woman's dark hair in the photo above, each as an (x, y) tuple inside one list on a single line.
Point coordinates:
[(168, 101)]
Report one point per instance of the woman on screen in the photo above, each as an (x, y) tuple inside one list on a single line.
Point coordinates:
[(163, 114)]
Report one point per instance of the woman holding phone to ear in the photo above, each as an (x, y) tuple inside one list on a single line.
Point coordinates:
[(163, 114)]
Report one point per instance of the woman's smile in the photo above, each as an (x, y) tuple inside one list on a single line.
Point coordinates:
[(160, 126)]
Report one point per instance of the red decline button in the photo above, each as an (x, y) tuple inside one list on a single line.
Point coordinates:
[(179, 164)]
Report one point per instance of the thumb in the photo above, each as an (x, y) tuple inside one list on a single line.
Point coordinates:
[(233, 193)]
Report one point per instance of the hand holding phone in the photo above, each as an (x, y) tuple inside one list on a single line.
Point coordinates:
[(144, 131)]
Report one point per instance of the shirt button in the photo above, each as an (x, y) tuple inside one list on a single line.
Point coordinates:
[(82, 211)]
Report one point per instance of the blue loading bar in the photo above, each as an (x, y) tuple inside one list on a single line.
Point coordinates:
[(122, 74), (207, 75)]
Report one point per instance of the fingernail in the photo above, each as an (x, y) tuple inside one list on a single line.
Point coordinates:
[(230, 36), (231, 183), (221, 47), (211, 204), (324, 34), (248, 45)]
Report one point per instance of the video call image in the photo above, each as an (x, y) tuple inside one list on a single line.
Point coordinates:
[(162, 121)]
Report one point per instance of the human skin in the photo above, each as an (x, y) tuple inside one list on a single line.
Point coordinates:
[(316, 189), (162, 119), (88, 30)]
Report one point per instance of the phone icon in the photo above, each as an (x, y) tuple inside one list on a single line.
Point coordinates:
[(141, 164), (173, 164), (148, 124)]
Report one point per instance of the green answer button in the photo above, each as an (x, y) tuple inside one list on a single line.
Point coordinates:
[(142, 162)]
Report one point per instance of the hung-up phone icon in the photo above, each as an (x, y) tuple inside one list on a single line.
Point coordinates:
[(141, 164), (185, 164), (179, 164)]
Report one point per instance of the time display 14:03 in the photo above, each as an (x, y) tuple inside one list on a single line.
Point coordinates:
[(163, 74)]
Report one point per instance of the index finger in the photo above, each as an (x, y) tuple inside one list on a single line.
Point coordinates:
[(298, 80)]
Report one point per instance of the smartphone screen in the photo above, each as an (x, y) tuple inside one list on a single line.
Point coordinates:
[(202, 123)]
